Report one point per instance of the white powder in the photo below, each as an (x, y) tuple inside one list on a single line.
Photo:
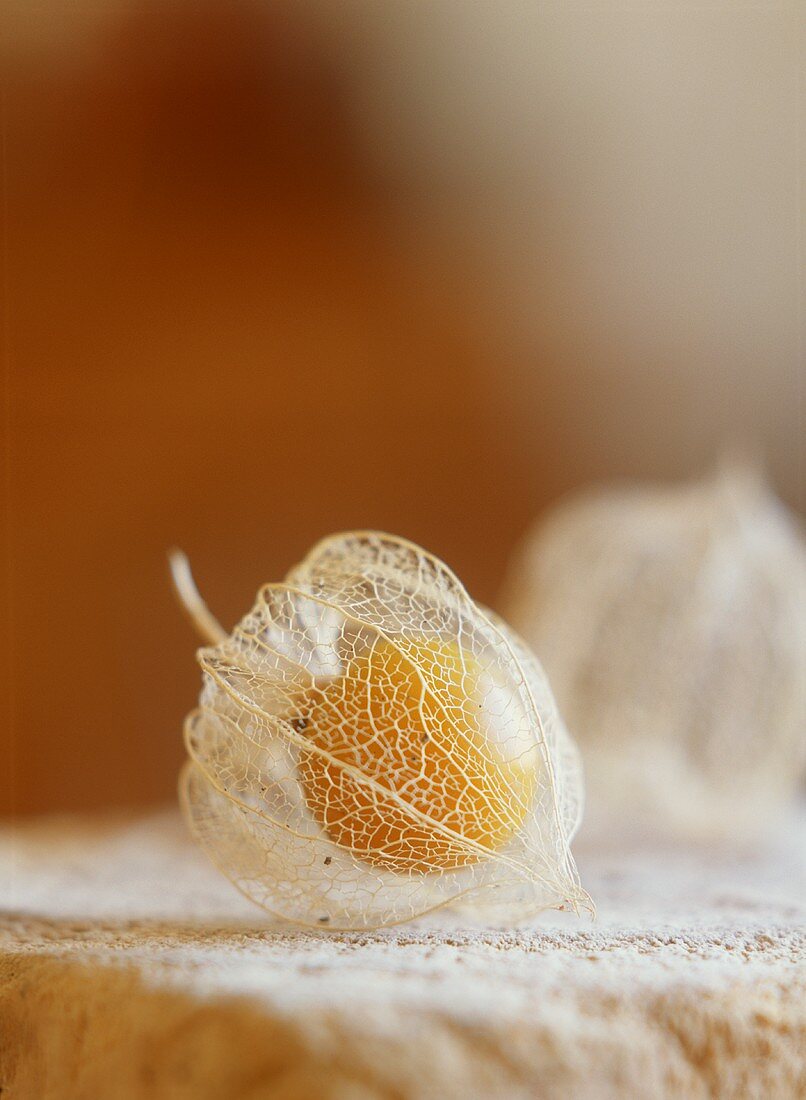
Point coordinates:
[(130, 968)]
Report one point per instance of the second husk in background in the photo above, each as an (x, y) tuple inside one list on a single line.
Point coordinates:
[(672, 624)]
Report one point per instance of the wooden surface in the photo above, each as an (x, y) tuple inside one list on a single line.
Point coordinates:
[(129, 968)]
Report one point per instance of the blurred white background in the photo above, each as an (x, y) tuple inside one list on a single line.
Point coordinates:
[(633, 175)]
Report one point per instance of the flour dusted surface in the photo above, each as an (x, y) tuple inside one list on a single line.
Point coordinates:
[(129, 968)]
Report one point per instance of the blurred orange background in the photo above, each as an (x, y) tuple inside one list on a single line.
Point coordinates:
[(276, 270)]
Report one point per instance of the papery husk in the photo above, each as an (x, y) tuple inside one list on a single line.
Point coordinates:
[(264, 736), (672, 623)]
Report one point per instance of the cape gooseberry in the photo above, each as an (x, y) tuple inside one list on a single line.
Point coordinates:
[(371, 744)]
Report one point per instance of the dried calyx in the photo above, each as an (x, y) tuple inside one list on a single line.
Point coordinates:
[(671, 621), (370, 745)]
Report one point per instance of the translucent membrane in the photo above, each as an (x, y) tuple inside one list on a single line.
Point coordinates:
[(370, 745), (673, 624)]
